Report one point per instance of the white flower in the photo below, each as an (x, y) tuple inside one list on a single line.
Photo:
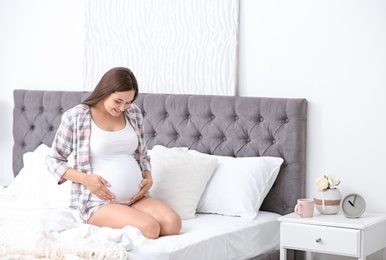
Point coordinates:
[(321, 183), (327, 182), (333, 181)]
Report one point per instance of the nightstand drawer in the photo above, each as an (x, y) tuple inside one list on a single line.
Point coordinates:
[(332, 240)]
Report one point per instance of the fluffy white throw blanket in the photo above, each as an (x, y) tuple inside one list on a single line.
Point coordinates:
[(54, 234)]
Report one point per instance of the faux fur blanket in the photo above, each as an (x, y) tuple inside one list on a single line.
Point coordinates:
[(54, 234)]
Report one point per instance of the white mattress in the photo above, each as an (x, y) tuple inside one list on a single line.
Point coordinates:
[(207, 236), (211, 237)]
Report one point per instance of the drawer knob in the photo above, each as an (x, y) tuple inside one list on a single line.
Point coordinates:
[(318, 240)]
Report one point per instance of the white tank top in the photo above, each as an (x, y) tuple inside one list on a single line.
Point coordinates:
[(112, 157)]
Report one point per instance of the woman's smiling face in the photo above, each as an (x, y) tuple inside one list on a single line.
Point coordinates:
[(118, 102)]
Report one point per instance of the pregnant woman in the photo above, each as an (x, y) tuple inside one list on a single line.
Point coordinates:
[(112, 171)]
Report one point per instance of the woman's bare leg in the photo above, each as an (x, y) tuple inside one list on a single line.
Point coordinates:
[(119, 216), (169, 221), (152, 217)]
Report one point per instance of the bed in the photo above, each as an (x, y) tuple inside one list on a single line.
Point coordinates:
[(260, 144)]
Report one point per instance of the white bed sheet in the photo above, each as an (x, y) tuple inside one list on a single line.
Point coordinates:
[(207, 236), (210, 236)]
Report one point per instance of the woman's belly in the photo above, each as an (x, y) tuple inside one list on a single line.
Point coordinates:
[(124, 179)]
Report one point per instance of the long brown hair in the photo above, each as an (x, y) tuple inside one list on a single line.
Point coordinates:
[(118, 79)]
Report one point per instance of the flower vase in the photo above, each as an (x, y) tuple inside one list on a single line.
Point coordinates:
[(328, 201)]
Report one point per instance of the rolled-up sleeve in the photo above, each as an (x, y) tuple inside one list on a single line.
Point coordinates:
[(141, 155), (61, 148)]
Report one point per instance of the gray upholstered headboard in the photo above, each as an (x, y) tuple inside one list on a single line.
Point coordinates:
[(220, 125)]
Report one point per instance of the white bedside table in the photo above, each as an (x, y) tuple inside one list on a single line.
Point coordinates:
[(333, 234)]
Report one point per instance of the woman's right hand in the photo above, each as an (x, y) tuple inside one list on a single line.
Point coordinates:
[(97, 186)]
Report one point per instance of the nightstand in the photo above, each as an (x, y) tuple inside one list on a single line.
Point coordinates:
[(333, 234)]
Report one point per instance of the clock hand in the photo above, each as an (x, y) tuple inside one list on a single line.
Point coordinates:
[(353, 203)]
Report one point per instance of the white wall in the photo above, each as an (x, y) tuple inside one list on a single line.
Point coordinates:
[(41, 47), (331, 52)]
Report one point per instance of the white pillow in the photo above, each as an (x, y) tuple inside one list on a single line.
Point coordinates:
[(35, 182), (179, 178), (238, 185), (21, 186), (179, 148)]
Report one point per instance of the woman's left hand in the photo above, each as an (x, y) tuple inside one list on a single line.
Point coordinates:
[(144, 186)]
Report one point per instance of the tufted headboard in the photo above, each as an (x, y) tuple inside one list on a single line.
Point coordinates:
[(220, 125)]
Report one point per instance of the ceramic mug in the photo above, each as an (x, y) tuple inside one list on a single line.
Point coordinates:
[(305, 208)]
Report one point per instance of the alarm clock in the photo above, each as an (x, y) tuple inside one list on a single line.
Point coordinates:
[(353, 205)]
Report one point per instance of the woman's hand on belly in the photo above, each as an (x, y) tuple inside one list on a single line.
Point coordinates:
[(97, 186), (144, 186)]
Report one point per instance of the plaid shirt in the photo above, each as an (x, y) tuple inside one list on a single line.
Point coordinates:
[(73, 136)]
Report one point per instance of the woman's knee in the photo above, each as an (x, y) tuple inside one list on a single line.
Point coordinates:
[(150, 229), (170, 224)]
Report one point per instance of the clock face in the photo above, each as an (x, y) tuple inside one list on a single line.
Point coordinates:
[(353, 205)]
